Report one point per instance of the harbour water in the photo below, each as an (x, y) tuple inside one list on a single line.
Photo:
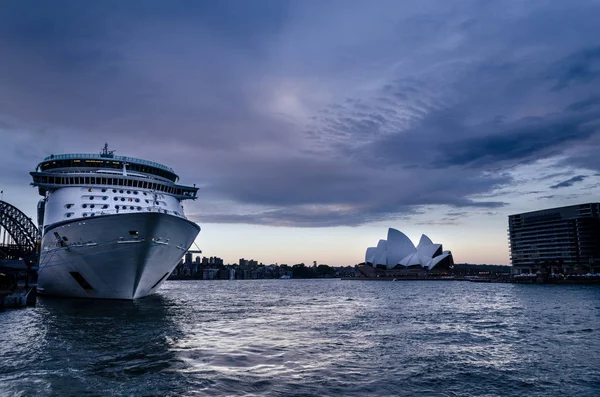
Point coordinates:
[(307, 338)]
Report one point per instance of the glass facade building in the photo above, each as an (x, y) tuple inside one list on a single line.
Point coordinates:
[(556, 240)]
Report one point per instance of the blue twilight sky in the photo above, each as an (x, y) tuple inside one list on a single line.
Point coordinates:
[(312, 126)]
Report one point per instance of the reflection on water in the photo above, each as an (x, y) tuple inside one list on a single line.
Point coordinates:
[(309, 337)]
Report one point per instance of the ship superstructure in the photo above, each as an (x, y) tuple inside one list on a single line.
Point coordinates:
[(112, 226)]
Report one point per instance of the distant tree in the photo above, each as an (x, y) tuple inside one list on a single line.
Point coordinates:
[(325, 270)]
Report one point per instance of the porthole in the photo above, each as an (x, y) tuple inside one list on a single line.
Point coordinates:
[(135, 192), (114, 190), (103, 190), (129, 192), (84, 205), (139, 208), (92, 214), (120, 191), (147, 201), (92, 206), (116, 199), (68, 206), (122, 198), (91, 197), (131, 208), (105, 206), (145, 194), (68, 214), (85, 214), (105, 198), (116, 207), (137, 200)]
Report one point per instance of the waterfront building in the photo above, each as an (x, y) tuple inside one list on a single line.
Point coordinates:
[(398, 252), (556, 240)]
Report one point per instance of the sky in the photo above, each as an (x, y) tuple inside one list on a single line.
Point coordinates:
[(313, 126)]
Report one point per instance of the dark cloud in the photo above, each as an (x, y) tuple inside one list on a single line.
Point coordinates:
[(307, 113), (581, 67), (569, 182)]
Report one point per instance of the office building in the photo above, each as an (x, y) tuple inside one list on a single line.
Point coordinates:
[(556, 240)]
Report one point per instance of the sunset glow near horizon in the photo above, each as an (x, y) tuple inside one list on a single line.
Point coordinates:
[(312, 127)]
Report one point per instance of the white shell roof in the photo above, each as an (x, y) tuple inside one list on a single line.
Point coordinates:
[(399, 250)]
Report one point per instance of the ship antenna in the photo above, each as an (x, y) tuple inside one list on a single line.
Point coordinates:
[(105, 152)]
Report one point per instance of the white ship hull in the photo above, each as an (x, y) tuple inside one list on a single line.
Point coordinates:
[(122, 256)]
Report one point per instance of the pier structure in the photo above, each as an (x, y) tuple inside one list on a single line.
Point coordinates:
[(19, 242)]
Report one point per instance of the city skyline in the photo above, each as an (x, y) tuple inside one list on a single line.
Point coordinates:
[(313, 127)]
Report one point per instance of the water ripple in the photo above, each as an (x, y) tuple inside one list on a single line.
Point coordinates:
[(306, 338)]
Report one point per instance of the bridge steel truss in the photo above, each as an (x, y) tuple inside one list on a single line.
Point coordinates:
[(23, 235)]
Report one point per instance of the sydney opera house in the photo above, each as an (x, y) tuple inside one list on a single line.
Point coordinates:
[(398, 252)]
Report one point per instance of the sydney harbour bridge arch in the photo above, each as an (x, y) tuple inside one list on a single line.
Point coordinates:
[(18, 234)]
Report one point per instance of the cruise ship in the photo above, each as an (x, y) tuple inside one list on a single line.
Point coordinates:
[(113, 227)]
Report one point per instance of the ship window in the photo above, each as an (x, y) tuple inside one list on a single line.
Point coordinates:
[(103, 190), (135, 192), (139, 208), (145, 194), (84, 206), (116, 199), (92, 206), (105, 198), (92, 214), (122, 198), (129, 192), (121, 183), (68, 214), (105, 206), (120, 191), (130, 183), (93, 180), (68, 206), (87, 180), (133, 232), (91, 197), (131, 208), (85, 214), (114, 190)]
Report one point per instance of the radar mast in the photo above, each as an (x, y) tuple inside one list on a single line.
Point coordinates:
[(107, 153)]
